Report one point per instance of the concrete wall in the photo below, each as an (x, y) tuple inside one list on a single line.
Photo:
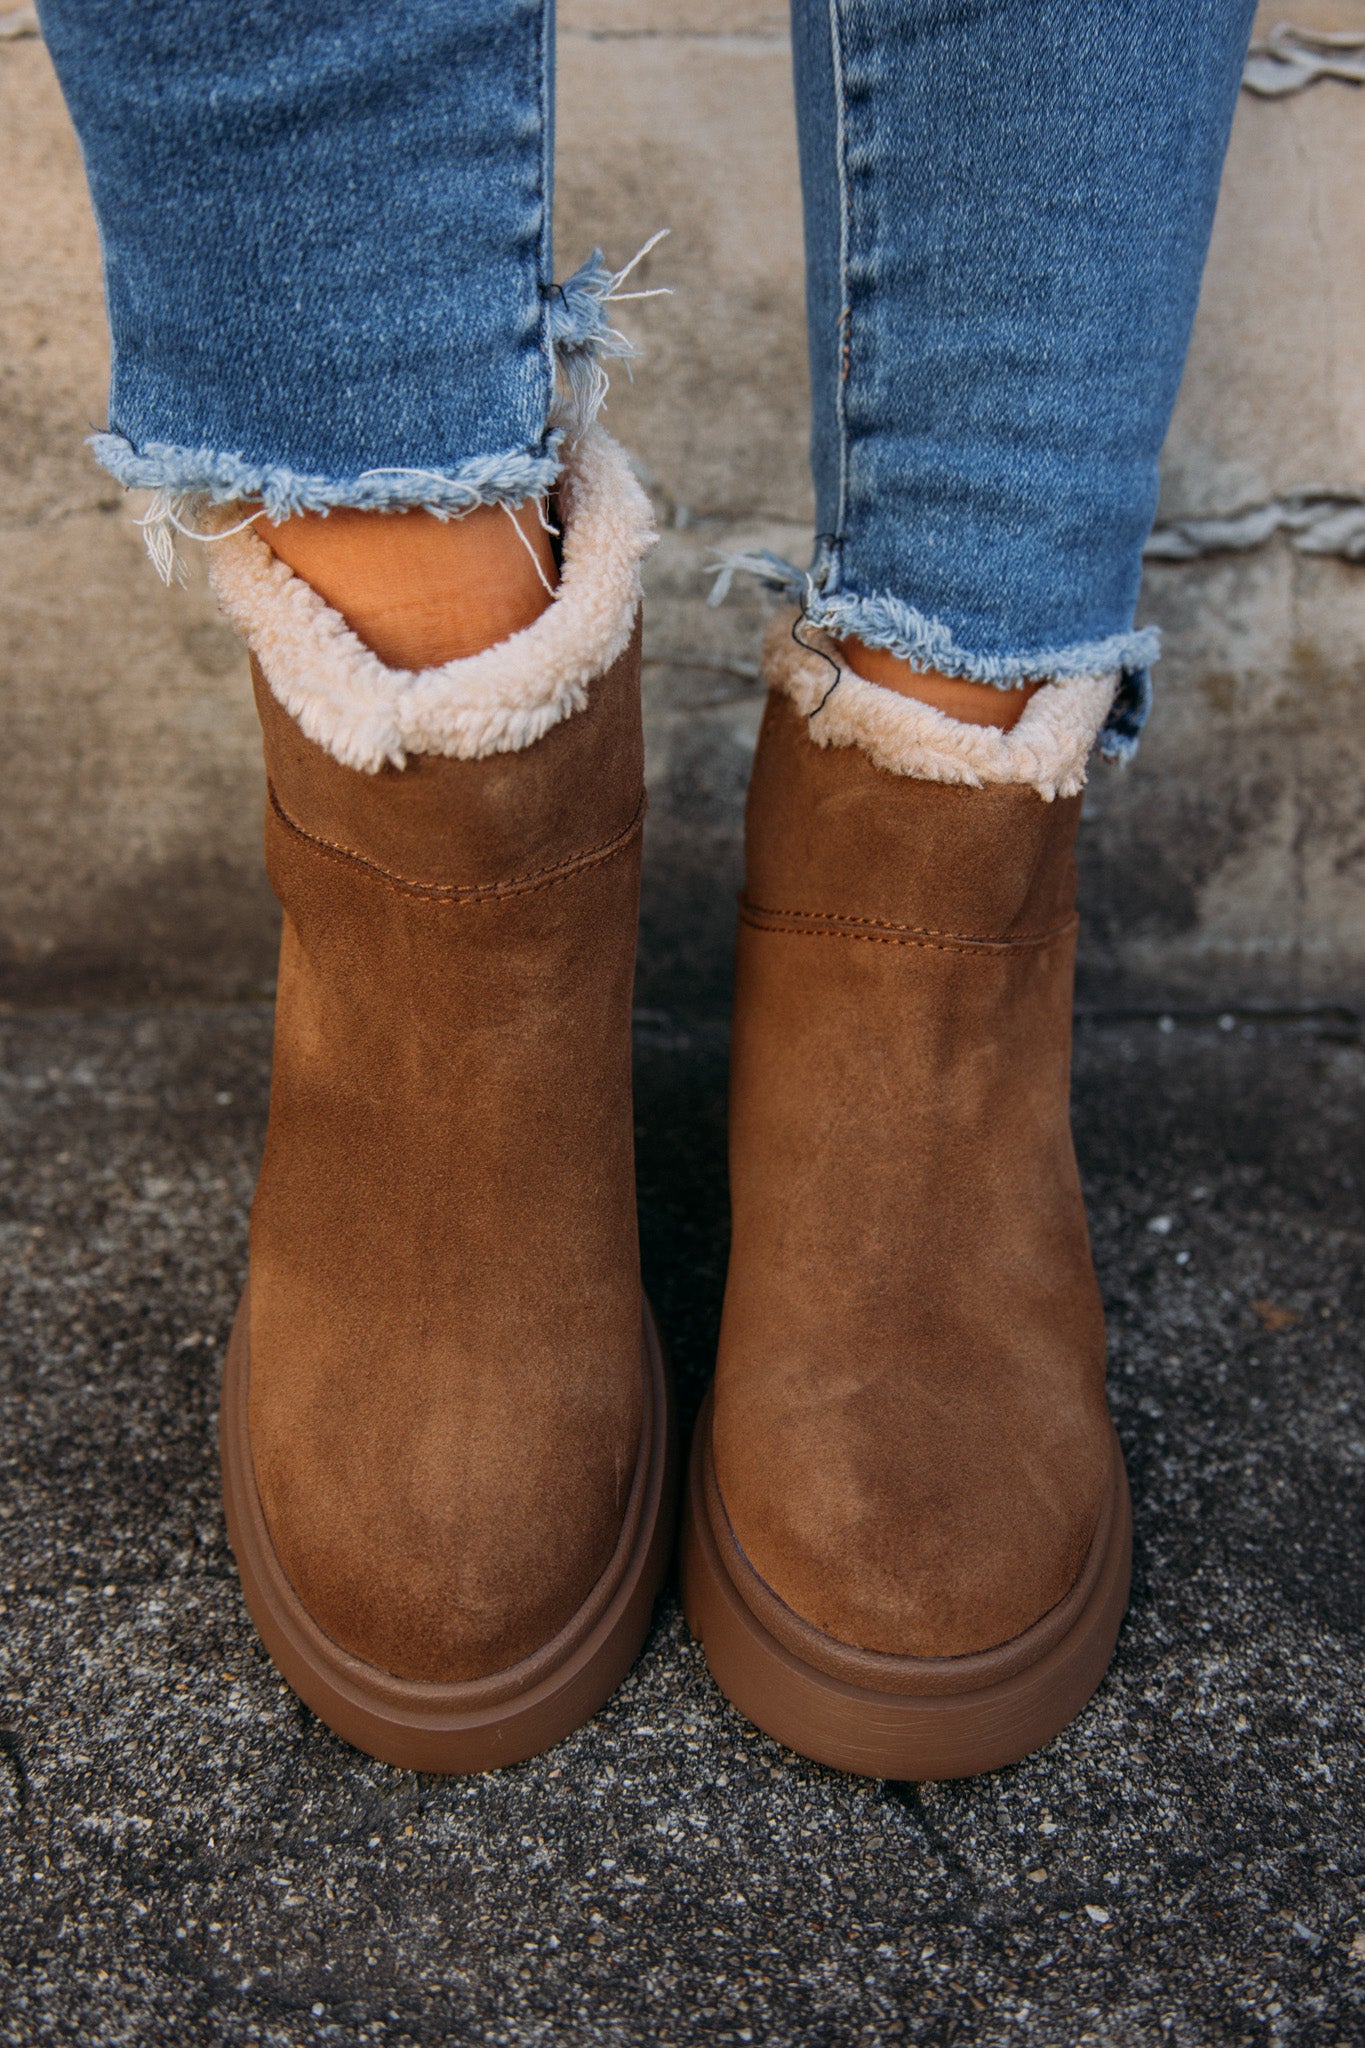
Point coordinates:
[(1226, 864), (1230, 861)]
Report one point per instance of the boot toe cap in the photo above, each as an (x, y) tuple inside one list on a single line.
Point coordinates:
[(454, 1567), (925, 1556)]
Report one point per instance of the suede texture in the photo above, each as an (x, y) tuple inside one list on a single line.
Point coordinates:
[(446, 1387), (910, 1434)]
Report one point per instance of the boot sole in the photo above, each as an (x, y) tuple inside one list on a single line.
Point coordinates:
[(918, 1718), (479, 1724)]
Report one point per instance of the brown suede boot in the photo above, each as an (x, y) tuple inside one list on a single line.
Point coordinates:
[(445, 1424), (907, 1545)]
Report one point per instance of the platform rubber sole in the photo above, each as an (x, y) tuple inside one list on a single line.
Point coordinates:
[(478, 1725), (920, 1718)]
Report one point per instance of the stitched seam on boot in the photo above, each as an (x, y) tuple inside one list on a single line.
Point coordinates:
[(914, 931), (877, 931), (467, 892)]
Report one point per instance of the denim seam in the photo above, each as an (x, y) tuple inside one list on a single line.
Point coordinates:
[(845, 333), (457, 894), (545, 279)]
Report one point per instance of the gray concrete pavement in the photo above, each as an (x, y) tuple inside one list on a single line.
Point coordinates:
[(188, 1857)]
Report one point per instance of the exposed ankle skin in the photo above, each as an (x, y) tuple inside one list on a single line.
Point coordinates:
[(420, 590), (971, 703)]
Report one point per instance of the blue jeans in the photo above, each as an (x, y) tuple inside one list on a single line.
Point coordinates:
[(326, 237)]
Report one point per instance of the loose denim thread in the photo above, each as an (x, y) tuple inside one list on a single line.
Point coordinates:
[(579, 338), (535, 558), (926, 643), (806, 648), (162, 521), (582, 338)]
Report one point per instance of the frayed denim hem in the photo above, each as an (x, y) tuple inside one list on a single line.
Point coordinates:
[(928, 644), (579, 341), (221, 479), (579, 338)]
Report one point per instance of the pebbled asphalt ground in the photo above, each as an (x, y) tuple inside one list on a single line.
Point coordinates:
[(188, 1857)]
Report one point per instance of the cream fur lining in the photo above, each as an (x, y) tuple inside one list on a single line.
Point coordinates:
[(496, 702), (1047, 750)]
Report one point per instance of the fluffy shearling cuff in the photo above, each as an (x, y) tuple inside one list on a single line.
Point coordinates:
[(1047, 750), (495, 702)]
